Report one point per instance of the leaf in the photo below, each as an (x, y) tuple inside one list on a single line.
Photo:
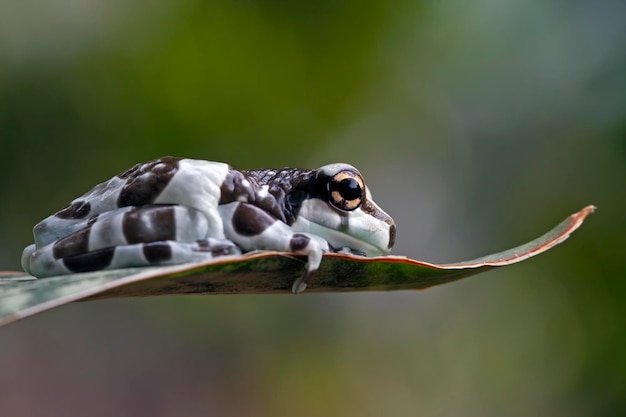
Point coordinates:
[(261, 272)]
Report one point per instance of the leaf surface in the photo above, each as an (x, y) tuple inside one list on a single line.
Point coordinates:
[(262, 272)]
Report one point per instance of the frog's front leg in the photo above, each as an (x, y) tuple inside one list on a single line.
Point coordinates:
[(139, 236), (252, 228)]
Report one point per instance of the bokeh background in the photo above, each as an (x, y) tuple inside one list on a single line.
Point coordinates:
[(479, 125)]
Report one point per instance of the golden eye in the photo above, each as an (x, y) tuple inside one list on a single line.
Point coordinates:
[(346, 190)]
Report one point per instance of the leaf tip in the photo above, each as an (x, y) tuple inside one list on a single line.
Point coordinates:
[(577, 218)]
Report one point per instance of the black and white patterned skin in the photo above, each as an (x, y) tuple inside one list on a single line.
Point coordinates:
[(176, 210)]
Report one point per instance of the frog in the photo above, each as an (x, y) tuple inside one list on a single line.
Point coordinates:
[(175, 210)]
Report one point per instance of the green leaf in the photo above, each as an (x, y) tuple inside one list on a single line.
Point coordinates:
[(261, 272)]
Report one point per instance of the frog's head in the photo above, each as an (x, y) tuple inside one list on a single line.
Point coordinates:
[(337, 206)]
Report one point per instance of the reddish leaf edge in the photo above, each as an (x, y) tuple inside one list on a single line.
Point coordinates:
[(554, 237)]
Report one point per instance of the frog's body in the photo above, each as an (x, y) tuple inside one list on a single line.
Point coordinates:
[(176, 210)]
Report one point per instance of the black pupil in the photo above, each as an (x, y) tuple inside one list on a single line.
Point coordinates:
[(349, 189)]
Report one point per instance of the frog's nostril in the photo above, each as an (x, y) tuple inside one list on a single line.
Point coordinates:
[(392, 235)]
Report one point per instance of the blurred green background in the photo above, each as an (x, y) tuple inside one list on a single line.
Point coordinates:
[(479, 125)]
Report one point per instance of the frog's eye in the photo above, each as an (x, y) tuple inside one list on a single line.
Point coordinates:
[(346, 190)]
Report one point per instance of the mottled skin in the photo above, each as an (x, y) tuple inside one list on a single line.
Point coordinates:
[(176, 210)]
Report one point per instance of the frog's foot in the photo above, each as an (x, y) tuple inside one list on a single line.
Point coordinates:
[(43, 263), (253, 228), (314, 247), (301, 283)]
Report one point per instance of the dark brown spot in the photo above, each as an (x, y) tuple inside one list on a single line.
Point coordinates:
[(76, 210), (156, 252), (392, 235), (145, 182), (298, 242), (90, 261), (232, 188), (249, 220), (149, 224), (73, 244)]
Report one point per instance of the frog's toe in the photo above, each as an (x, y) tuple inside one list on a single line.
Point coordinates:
[(350, 251), (300, 284), (26, 256)]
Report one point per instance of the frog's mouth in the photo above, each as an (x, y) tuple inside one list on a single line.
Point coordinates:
[(358, 230)]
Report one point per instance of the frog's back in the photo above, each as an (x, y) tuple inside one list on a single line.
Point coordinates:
[(167, 180)]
